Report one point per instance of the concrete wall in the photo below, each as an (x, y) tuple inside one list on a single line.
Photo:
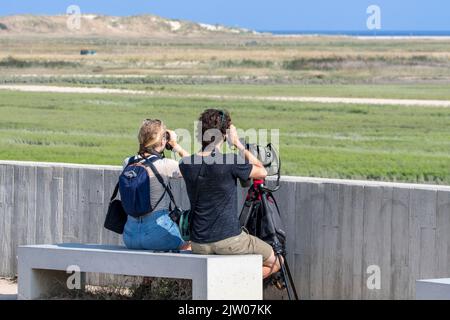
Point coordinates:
[(336, 228)]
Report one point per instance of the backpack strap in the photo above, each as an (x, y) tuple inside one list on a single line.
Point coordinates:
[(116, 190), (149, 162), (132, 160)]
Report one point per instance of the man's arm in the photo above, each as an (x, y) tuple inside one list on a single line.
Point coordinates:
[(258, 170)]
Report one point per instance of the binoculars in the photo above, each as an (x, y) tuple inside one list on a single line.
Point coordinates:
[(168, 146)]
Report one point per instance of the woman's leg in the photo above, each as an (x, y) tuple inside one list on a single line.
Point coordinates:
[(130, 235), (159, 232)]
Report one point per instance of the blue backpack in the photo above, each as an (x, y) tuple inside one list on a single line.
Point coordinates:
[(134, 187)]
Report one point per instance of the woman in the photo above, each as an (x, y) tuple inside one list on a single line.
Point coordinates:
[(156, 230)]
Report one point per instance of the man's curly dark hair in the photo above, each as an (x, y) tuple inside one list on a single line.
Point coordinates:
[(212, 119)]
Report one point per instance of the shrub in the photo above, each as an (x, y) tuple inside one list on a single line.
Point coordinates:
[(325, 63), (11, 62), (245, 63)]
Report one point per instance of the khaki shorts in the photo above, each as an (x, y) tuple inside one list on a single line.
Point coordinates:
[(241, 244)]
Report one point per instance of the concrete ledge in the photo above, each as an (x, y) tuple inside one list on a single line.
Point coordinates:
[(368, 183), (433, 289), (214, 277), (416, 186), (58, 165)]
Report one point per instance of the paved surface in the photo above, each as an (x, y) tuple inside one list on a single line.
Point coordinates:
[(8, 289), (363, 101)]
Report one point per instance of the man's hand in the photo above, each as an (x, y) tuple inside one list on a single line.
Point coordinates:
[(234, 138), (258, 170)]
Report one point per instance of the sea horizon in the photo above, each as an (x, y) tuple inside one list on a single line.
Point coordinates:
[(364, 33)]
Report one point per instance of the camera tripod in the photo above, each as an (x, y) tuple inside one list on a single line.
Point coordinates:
[(261, 217)]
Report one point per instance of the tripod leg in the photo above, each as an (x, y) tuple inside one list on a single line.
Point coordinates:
[(283, 272), (287, 278), (292, 284)]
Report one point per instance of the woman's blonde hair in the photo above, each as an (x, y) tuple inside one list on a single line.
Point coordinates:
[(150, 135)]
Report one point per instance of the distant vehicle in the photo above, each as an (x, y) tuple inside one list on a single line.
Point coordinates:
[(88, 52)]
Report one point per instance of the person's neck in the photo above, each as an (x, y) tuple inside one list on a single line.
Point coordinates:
[(146, 154)]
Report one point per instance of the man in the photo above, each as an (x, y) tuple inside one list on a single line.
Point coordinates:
[(211, 181)]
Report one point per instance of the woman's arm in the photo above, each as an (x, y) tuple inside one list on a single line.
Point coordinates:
[(175, 146)]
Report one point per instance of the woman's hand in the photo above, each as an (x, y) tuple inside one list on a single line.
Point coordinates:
[(172, 138), (174, 144)]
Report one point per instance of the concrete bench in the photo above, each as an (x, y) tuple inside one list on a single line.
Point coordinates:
[(433, 289), (214, 277)]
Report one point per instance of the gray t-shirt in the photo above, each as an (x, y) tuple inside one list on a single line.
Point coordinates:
[(167, 168)]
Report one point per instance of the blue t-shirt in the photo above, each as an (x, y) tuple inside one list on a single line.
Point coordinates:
[(215, 216)]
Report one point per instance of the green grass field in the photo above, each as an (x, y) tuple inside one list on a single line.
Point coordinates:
[(325, 140), (391, 143)]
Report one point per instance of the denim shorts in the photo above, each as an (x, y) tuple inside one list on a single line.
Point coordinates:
[(156, 231)]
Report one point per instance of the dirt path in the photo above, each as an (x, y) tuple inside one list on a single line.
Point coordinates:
[(361, 101)]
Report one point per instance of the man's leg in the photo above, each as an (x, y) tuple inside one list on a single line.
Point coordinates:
[(271, 265), (244, 244), (186, 246)]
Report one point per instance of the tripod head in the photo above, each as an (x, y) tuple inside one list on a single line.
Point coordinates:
[(263, 187), (260, 186)]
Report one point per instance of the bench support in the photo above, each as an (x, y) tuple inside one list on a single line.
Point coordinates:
[(229, 279), (433, 289), (41, 283)]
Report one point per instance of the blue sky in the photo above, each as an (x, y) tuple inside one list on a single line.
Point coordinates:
[(262, 14)]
